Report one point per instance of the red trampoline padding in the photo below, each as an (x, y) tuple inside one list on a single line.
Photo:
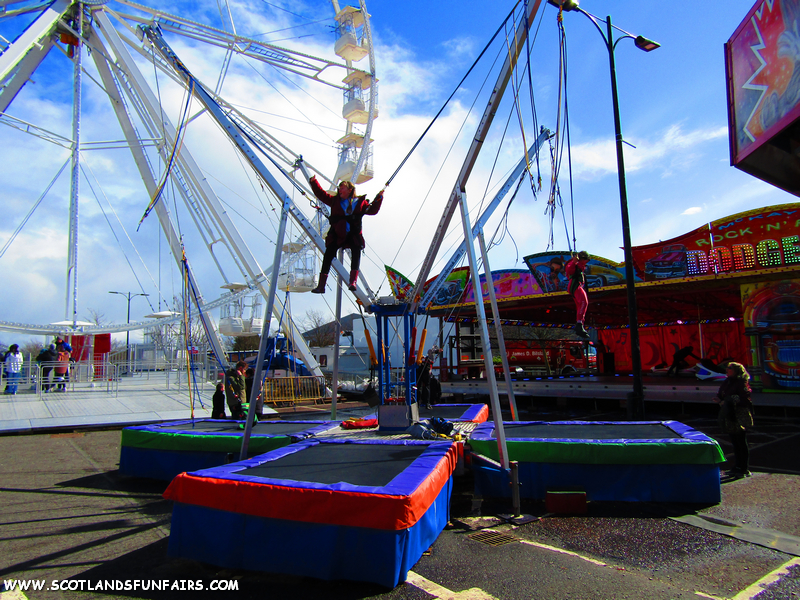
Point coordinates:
[(360, 424), (482, 415), (327, 506)]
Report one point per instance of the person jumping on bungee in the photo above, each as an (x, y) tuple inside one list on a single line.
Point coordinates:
[(347, 210), (577, 288)]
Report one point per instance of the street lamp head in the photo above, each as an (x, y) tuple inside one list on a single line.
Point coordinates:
[(566, 5), (644, 44)]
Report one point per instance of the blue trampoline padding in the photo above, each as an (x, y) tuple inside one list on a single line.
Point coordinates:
[(394, 506), (324, 551), (165, 464), (622, 483), (474, 413)]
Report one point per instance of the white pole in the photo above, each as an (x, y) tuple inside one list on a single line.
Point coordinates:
[(337, 316), (486, 343), (498, 327), (72, 257)]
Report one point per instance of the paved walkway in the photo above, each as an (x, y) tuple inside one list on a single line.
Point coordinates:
[(146, 398), (136, 400)]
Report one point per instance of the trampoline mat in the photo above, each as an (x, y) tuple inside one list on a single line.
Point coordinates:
[(590, 431), (234, 426), (373, 465)]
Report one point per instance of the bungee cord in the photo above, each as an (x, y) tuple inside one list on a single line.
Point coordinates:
[(441, 110)]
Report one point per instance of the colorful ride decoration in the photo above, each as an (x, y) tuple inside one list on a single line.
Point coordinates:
[(764, 239), (772, 324)]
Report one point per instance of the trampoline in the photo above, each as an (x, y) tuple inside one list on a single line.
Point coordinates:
[(359, 510), (463, 413), (659, 461), (163, 450)]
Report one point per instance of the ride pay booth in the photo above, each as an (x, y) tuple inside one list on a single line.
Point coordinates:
[(397, 389)]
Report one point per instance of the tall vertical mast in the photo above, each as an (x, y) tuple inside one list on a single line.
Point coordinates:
[(72, 257)]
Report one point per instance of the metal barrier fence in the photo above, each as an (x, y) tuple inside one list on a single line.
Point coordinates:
[(289, 390), (105, 376)]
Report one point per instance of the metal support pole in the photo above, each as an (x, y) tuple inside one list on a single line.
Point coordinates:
[(487, 346), (516, 504), (262, 345), (635, 405), (498, 327), (335, 376)]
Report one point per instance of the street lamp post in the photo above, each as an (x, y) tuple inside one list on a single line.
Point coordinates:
[(635, 404), (128, 295)]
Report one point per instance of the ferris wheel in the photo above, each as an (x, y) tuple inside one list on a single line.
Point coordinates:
[(207, 203)]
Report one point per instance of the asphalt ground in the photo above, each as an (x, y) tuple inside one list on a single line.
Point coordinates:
[(69, 520)]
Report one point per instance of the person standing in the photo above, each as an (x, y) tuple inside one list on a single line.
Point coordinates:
[(236, 390), (218, 402), (577, 289), (424, 383), (13, 365), (47, 359), (63, 350), (347, 210), (736, 415)]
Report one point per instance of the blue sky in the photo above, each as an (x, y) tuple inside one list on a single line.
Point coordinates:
[(673, 110)]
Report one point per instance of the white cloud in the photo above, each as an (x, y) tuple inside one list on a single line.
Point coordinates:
[(674, 150), (692, 211), (460, 48)]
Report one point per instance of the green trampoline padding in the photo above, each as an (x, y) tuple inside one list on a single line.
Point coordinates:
[(676, 444), (166, 440), (219, 436)]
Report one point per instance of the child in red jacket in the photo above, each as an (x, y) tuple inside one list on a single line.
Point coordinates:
[(577, 288)]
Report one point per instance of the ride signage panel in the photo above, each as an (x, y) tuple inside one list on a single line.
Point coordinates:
[(764, 238), (764, 93)]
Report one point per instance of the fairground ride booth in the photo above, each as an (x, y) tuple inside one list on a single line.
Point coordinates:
[(730, 289)]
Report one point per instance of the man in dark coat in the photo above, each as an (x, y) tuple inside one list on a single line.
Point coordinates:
[(347, 210), (236, 390)]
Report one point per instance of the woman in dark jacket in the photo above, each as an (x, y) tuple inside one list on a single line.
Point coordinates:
[(347, 210), (736, 415)]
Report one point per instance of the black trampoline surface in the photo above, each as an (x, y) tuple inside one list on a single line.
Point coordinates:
[(590, 431), (373, 465), (262, 427)]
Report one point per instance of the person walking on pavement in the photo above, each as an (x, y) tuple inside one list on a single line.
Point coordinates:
[(13, 366), (736, 415)]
